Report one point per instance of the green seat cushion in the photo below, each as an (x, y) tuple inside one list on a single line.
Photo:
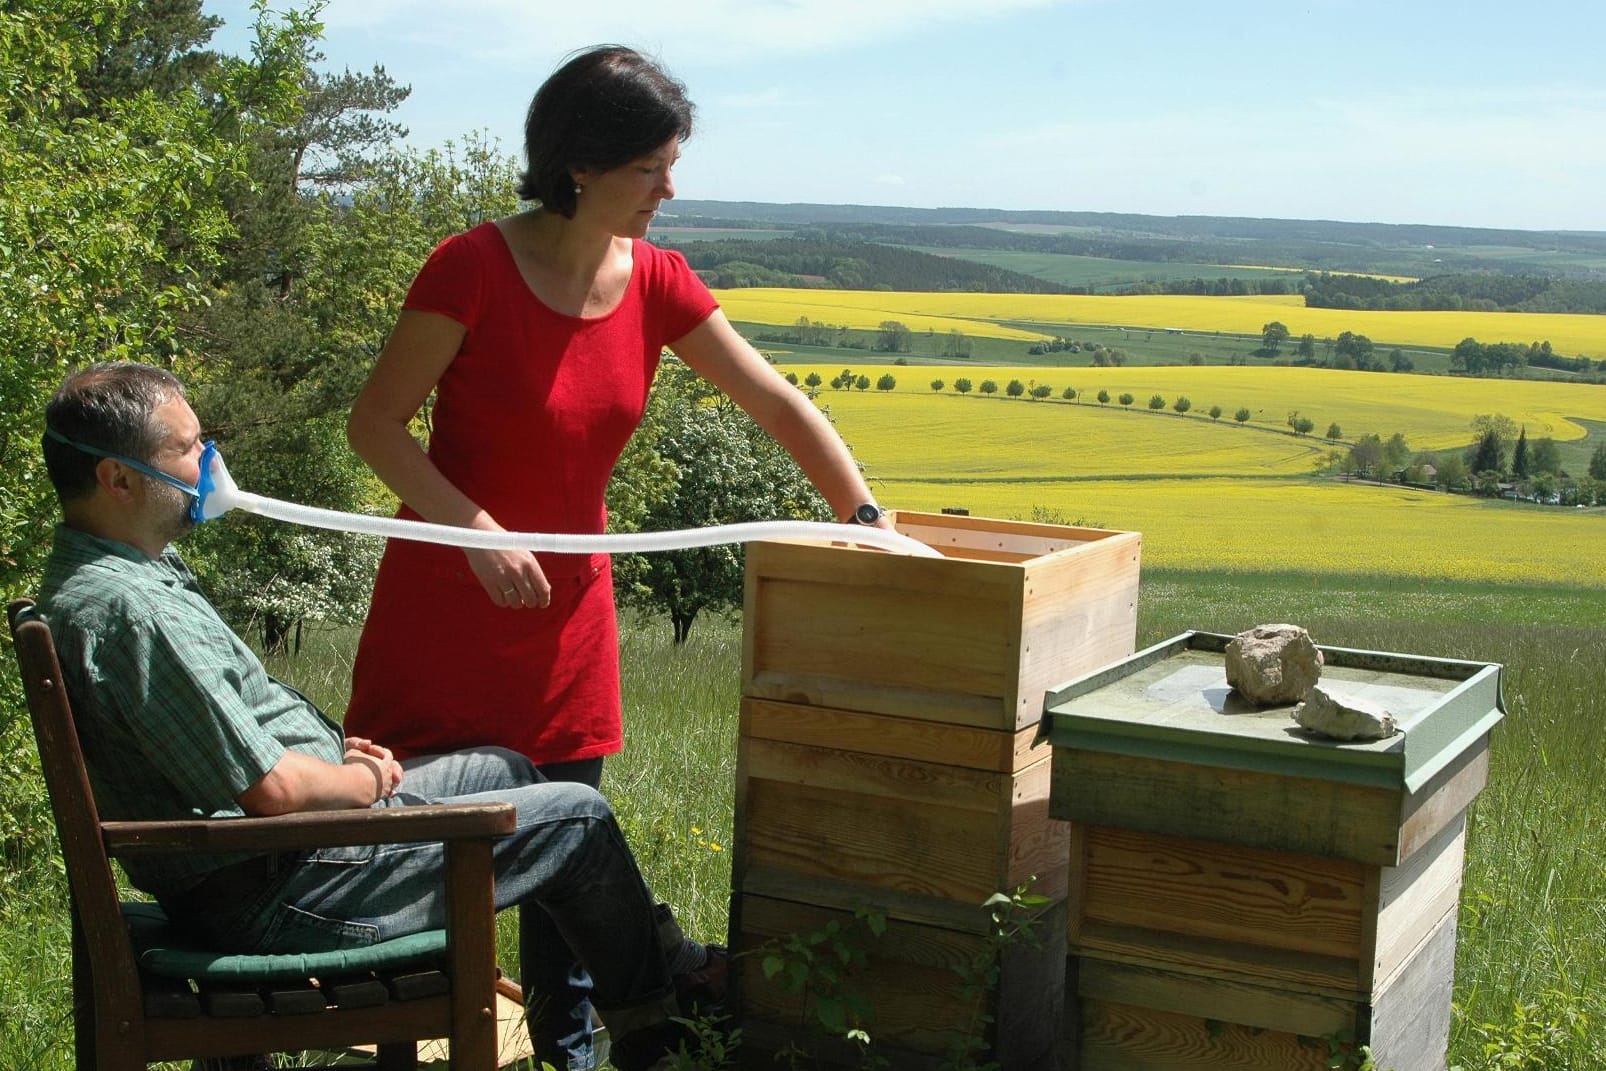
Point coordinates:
[(167, 951)]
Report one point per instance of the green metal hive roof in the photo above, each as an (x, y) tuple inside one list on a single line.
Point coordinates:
[(1171, 701)]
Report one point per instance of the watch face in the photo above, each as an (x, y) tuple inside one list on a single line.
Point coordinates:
[(868, 513)]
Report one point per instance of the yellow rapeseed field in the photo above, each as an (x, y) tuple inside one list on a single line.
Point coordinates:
[(993, 315), (1299, 526), (945, 436), (1432, 412), (1216, 495)]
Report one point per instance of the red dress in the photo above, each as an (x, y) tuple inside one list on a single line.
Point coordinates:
[(530, 418)]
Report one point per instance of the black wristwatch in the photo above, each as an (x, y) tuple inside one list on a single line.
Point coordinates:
[(868, 513)]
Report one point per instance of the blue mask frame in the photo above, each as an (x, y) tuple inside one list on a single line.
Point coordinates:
[(198, 493)]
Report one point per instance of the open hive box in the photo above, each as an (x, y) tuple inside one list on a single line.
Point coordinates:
[(886, 760), (1244, 893)]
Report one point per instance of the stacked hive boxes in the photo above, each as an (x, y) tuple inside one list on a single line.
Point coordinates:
[(887, 762), (1246, 896)]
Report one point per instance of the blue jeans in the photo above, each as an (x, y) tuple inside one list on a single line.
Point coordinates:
[(566, 861), (557, 989)]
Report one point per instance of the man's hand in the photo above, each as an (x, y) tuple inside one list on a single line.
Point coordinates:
[(387, 771)]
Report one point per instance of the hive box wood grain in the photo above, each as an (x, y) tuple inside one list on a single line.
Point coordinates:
[(974, 638), (1128, 1018)]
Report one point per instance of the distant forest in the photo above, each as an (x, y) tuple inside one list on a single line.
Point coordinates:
[(855, 247), (1188, 229), (1483, 291), (821, 260)]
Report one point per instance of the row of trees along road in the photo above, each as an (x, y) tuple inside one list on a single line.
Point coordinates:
[(251, 223)]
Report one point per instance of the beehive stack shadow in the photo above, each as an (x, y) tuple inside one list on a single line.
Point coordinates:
[(887, 760)]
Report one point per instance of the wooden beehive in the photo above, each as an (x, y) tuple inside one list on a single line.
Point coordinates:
[(1244, 895), (887, 760)]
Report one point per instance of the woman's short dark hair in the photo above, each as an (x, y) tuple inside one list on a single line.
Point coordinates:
[(603, 108), (112, 407)]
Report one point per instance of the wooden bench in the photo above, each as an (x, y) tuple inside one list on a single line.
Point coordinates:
[(143, 991)]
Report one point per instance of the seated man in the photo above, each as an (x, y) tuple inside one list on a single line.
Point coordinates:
[(179, 719)]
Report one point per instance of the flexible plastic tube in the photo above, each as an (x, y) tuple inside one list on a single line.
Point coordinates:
[(223, 495)]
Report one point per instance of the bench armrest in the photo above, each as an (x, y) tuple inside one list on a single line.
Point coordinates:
[(311, 829)]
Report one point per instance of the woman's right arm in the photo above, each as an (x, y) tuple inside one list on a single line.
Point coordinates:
[(417, 354)]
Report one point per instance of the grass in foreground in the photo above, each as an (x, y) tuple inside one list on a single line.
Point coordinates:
[(1531, 971)]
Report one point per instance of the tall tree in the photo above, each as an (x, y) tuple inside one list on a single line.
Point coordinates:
[(295, 357), (1519, 455), (1272, 336), (1488, 454), (726, 470), (892, 337), (1597, 463), (155, 45), (1544, 456), (111, 225), (1366, 455)]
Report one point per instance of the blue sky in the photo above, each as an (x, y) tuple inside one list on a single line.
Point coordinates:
[(1470, 113)]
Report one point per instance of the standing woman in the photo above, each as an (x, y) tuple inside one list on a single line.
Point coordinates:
[(539, 334)]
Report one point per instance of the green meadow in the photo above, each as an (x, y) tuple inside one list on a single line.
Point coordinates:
[(1238, 530), (1531, 964)]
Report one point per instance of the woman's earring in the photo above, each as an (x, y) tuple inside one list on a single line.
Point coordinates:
[(578, 189)]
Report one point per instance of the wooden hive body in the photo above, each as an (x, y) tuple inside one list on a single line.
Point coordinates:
[(887, 760), (1245, 896)]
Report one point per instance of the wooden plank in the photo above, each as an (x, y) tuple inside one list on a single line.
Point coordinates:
[(954, 708), (1123, 1037), (1251, 808), (1078, 614), (1038, 843), (1447, 795), (919, 827), (908, 846), (231, 1001), (1409, 1026), (961, 917), (293, 998), (1231, 960), (1175, 886), (846, 639), (921, 739), (915, 978), (1414, 898), (971, 536), (894, 779), (181, 1039), (168, 998), (415, 985), (1210, 997), (355, 991)]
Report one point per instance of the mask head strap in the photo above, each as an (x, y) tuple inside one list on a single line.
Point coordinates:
[(208, 452)]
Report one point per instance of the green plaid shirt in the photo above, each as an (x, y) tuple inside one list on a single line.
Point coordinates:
[(176, 715)]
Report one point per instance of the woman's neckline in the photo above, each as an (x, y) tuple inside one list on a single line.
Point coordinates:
[(536, 296)]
